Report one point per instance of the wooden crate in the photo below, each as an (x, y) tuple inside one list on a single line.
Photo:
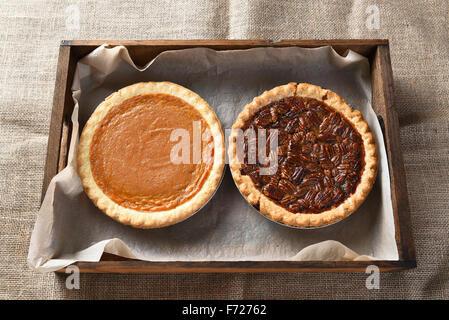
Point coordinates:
[(142, 52)]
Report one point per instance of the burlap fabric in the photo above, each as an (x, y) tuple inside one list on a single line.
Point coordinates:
[(29, 39)]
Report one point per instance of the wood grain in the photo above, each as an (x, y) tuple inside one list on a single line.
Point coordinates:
[(62, 105), (115, 264), (383, 96), (144, 51)]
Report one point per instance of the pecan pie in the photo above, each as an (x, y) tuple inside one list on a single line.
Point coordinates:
[(133, 166), (325, 160)]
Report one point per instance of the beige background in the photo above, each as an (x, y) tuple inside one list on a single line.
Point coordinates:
[(29, 39)]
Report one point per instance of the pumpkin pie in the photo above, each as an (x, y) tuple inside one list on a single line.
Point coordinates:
[(151, 154), (317, 162)]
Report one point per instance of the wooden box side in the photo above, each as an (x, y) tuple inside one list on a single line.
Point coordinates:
[(114, 264), (382, 100), (142, 52)]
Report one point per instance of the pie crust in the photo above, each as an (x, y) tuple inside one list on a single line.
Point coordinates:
[(142, 218), (273, 209)]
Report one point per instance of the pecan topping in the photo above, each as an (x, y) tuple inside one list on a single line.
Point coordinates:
[(320, 155)]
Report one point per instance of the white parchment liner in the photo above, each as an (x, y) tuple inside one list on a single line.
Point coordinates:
[(70, 228)]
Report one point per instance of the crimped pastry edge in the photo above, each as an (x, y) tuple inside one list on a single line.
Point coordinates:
[(158, 219), (276, 212)]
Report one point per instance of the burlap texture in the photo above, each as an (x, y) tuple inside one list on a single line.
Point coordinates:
[(29, 40)]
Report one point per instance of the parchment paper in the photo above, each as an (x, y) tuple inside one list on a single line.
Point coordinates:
[(70, 228)]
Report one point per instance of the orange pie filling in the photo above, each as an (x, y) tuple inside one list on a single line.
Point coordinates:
[(131, 154)]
